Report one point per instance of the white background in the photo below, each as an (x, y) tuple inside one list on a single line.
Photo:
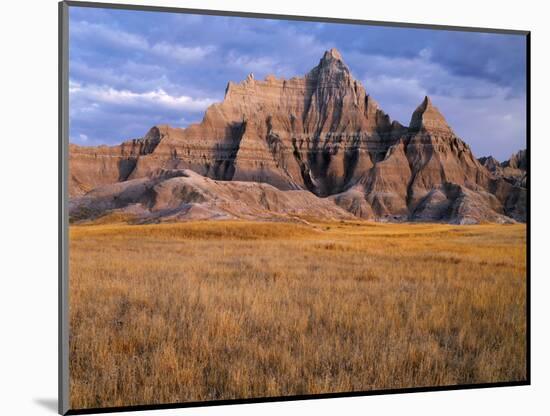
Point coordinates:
[(28, 205)]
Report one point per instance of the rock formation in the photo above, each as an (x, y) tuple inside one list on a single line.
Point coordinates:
[(491, 164), (513, 170), (182, 194), (517, 161), (321, 135)]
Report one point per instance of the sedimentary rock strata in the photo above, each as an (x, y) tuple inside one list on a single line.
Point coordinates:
[(320, 135)]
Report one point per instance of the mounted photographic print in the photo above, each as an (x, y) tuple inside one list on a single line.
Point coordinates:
[(263, 207)]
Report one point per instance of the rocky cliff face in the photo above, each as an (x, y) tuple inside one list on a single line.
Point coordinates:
[(324, 134), (513, 170), (90, 167)]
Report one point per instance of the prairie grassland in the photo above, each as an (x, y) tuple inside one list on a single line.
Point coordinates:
[(220, 310)]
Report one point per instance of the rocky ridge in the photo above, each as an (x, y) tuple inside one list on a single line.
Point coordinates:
[(513, 170), (320, 134)]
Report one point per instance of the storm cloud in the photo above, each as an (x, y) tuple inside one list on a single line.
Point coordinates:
[(130, 70)]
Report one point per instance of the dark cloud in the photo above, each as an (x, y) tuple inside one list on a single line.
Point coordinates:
[(135, 69)]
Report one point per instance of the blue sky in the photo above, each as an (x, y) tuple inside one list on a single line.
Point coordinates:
[(130, 70)]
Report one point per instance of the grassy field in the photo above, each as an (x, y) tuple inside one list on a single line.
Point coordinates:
[(221, 310)]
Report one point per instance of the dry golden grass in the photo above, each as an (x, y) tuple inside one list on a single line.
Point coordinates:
[(221, 310)]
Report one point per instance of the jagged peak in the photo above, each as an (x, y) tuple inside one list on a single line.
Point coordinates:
[(428, 117), (490, 163), (517, 160), (230, 85), (425, 105), (332, 53), (331, 62), (488, 159)]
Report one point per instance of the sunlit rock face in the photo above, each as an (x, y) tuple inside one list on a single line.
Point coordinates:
[(324, 134)]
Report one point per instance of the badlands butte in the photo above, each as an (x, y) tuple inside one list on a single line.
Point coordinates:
[(316, 146)]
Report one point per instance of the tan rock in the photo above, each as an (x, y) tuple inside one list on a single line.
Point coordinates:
[(320, 134), (177, 195)]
